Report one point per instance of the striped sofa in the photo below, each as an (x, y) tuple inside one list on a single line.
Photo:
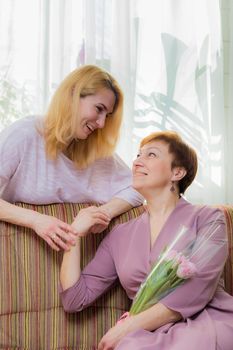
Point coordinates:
[(31, 315)]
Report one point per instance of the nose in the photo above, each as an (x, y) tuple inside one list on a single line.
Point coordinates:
[(137, 164), (138, 161), (101, 121)]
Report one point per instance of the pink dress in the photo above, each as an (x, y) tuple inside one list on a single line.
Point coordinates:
[(26, 175), (207, 310)]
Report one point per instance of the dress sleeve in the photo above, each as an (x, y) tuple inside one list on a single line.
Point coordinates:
[(122, 183), (197, 292), (95, 279)]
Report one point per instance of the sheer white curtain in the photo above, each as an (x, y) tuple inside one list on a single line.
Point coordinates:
[(40, 42), (227, 20), (166, 55)]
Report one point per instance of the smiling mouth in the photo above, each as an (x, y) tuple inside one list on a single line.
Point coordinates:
[(90, 127), (139, 174)]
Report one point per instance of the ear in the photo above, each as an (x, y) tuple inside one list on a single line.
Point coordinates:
[(178, 173)]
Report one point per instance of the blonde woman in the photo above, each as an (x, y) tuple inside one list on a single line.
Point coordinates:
[(67, 156)]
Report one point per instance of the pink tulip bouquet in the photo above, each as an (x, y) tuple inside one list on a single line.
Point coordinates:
[(171, 271)]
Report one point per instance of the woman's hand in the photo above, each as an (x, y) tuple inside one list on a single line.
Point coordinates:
[(156, 316), (55, 232), (91, 219), (115, 334)]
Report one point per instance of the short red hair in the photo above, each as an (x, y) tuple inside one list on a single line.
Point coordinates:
[(183, 155)]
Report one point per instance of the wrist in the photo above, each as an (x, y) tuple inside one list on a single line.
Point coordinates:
[(76, 245), (115, 207), (106, 208), (131, 324), (31, 218), (78, 230)]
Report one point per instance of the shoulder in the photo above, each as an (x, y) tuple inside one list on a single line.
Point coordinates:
[(205, 214), (16, 140), (20, 130), (210, 214)]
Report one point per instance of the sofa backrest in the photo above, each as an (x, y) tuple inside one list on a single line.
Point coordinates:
[(31, 315)]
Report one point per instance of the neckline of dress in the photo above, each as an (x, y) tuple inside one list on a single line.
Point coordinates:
[(180, 202)]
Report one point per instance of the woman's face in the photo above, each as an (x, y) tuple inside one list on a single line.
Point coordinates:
[(152, 167), (93, 110)]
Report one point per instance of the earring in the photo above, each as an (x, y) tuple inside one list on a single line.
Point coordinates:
[(172, 189)]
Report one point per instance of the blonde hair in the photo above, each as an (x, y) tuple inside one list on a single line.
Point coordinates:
[(61, 119), (183, 155)]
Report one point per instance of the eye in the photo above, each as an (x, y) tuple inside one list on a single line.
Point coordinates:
[(152, 154), (99, 109)]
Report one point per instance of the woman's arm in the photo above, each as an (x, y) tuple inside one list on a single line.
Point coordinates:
[(70, 267), (151, 319), (80, 289), (156, 316), (55, 232), (115, 207), (83, 223)]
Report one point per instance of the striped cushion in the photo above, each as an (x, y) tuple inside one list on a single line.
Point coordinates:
[(31, 315)]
